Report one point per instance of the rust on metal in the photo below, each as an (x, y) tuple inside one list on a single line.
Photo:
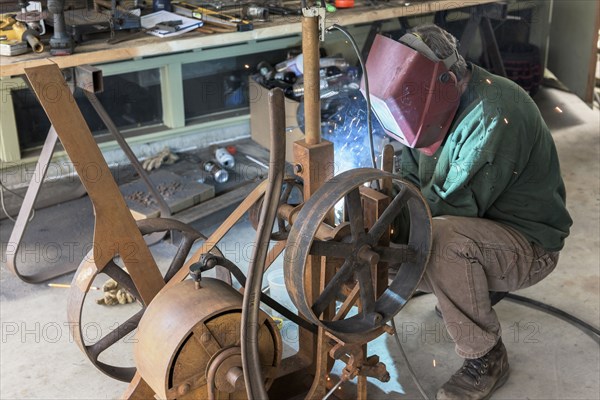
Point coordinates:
[(377, 308), (188, 342)]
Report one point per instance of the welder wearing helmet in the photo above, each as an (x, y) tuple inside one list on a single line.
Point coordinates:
[(478, 149)]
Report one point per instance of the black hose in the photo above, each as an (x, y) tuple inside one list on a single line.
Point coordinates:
[(586, 328), (209, 261)]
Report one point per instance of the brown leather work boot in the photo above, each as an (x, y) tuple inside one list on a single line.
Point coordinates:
[(478, 378)]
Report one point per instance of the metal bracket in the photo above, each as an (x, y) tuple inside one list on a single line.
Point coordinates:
[(89, 79), (317, 12)]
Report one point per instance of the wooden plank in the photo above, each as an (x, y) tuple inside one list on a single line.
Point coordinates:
[(98, 52), (115, 230), (216, 204)]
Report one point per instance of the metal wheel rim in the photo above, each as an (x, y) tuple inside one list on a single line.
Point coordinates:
[(302, 238)]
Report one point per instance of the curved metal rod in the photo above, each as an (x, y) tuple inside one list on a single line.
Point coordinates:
[(253, 376), (18, 232), (165, 210)]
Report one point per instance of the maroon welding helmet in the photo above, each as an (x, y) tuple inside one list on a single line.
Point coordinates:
[(413, 93)]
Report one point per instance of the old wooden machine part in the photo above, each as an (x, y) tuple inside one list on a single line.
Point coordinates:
[(186, 348)]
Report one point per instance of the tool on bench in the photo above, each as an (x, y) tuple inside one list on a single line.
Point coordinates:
[(78, 24), (33, 17), (25, 33), (166, 26), (169, 26), (212, 17), (13, 32)]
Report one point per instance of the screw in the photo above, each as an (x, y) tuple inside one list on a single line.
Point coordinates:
[(298, 168)]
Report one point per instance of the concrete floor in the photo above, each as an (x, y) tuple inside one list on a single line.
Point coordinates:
[(549, 358)]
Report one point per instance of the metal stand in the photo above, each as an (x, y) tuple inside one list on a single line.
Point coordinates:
[(89, 79)]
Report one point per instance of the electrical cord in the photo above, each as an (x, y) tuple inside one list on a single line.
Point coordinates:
[(586, 328), (2, 189), (368, 93)]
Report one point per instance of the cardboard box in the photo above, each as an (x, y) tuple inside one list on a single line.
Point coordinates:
[(259, 119)]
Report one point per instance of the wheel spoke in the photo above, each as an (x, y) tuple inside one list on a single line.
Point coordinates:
[(387, 217), (396, 253), (332, 288), (121, 277), (367, 293), (115, 335), (330, 248), (355, 214), (347, 304)]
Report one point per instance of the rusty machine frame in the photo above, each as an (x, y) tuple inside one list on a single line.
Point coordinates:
[(182, 350)]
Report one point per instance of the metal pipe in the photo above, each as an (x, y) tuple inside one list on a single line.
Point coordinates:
[(312, 104), (253, 377)]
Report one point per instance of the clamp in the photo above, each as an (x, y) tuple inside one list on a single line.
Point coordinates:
[(317, 12)]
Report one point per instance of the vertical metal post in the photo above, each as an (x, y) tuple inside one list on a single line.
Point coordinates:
[(312, 105)]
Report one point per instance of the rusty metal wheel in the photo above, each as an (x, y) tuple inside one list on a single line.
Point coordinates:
[(292, 195), (88, 271), (357, 253), (188, 344)]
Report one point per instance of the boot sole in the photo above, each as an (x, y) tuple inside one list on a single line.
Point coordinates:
[(498, 384)]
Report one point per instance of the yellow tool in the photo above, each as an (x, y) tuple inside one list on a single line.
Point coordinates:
[(28, 34), (212, 17), (6, 20), (19, 31)]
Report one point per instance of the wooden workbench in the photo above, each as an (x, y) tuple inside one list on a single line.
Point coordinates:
[(98, 51)]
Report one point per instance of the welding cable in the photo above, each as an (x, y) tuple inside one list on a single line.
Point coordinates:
[(408, 364), (592, 332), (2, 189), (583, 326), (209, 261), (368, 93)]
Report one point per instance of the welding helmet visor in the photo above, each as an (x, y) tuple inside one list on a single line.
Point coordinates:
[(413, 92)]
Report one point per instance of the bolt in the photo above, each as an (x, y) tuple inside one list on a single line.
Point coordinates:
[(183, 389), (235, 377), (366, 254), (377, 318), (298, 168)]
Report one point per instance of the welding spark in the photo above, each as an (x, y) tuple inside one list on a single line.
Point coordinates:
[(558, 109), (488, 81), (505, 121), (246, 66), (434, 363)]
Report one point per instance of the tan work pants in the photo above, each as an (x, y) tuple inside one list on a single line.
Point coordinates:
[(470, 257)]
